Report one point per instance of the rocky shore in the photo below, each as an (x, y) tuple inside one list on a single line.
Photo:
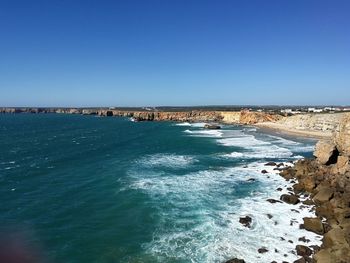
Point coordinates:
[(325, 181)]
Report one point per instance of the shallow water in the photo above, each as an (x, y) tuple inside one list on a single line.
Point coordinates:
[(89, 189)]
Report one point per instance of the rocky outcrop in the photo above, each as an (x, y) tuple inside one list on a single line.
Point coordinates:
[(342, 136), (248, 117), (327, 180), (325, 152)]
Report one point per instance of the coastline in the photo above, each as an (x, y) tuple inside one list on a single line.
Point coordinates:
[(283, 129)]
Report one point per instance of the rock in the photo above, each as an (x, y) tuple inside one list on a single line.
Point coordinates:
[(212, 126), (326, 152), (251, 180), (279, 189), (290, 199), (246, 221), (303, 250), (235, 260), (314, 225), (342, 136), (262, 250), (324, 256), (304, 239), (270, 164), (264, 172), (300, 260), (323, 195), (269, 216), (334, 237), (273, 201)]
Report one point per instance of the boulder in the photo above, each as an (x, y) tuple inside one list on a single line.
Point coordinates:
[(212, 126), (303, 251), (262, 250), (324, 256), (290, 199), (235, 260), (314, 225), (270, 164), (273, 201), (264, 172), (326, 152), (324, 195), (246, 221), (334, 237)]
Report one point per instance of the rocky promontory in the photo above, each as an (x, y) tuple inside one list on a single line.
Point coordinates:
[(326, 179)]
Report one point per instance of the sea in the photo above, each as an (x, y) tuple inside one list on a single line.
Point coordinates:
[(106, 189)]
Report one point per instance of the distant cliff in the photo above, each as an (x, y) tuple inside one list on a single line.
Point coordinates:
[(230, 117)]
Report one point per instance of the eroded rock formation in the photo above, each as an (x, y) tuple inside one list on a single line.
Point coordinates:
[(327, 179)]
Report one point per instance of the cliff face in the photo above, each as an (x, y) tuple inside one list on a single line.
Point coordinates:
[(316, 122), (234, 117), (230, 117), (327, 179)]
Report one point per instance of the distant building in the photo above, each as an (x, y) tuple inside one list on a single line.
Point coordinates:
[(314, 110)]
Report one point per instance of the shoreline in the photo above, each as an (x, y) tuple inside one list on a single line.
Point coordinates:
[(282, 129)]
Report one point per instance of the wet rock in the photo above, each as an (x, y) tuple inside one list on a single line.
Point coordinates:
[(308, 202), (246, 221), (269, 216), (290, 199), (314, 225), (212, 126), (251, 180), (235, 260), (262, 250), (303, 250), (273, 201), (264, 172), (270, 164), (279, 189), (304, 239)]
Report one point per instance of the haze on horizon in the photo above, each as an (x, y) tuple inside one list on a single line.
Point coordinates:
[(183, 53)]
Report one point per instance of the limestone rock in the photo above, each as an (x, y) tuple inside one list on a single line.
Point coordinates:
[(314, 225), (325, 151), (290, 199), (342, 136), (324, 195)]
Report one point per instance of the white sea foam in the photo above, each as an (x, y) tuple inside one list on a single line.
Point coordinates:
[(166, 160), (254, 148), (245, 141), (183, 124), (204, 133), (206, 213)]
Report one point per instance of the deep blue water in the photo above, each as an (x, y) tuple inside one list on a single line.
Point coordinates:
[(89, 189)]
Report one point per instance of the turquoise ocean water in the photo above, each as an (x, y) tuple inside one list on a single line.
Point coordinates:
[(90, 189)]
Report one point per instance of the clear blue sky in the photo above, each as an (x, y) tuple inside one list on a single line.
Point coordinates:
[(179, 52)]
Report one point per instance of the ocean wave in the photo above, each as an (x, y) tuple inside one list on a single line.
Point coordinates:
[(183, 124), (205, 133), (206, 217), (166, 160)]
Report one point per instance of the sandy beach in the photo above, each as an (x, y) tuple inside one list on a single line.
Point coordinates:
[(281, 128)]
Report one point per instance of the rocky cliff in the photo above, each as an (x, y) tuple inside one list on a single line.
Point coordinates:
[(327, 179), (316, 122)]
